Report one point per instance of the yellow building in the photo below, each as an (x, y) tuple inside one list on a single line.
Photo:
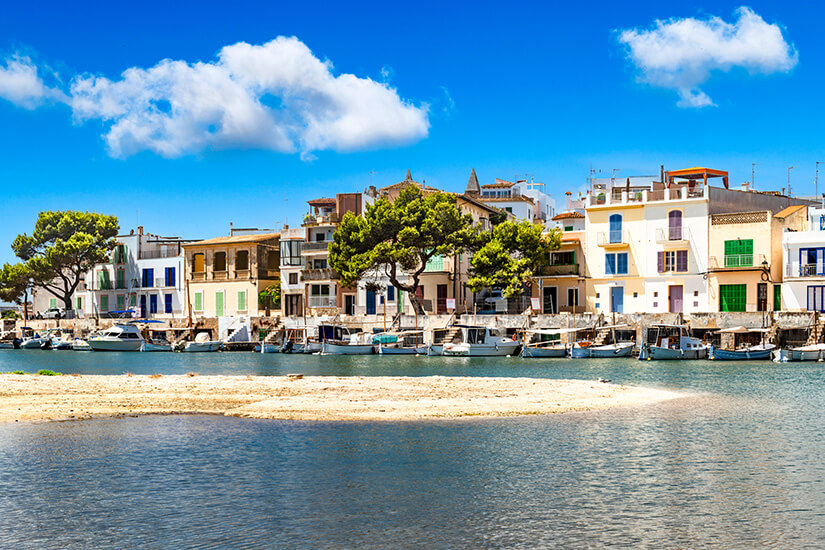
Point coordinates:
[(745, 268), (560, 285), (225, 275)]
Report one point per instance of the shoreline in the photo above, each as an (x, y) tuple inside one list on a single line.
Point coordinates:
[(32, 398)]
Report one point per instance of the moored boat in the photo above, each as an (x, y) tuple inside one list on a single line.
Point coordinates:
[(745, 346), (673, 342), (81, 345), (201, 344), (481, 342), (118, 337), (619, 349), (811, 352), (537, 345), (408, 342)]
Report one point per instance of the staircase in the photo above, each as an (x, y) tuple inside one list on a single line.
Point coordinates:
[(449, 336), (601, 337), (815, 335), (273, 334)]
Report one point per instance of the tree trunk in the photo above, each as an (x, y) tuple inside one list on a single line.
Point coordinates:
[(417, 306)]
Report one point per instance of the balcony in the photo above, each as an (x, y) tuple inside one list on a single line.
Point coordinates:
[(558, 270), (155, 254), (322, 301), (319, 275), (199, 275), (316, 246), (242, 273), (329, 219), (220, 275), (676, 236), (732, 262), (804, 270), (613, 239)]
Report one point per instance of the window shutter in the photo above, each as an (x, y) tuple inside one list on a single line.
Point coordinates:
[(660, 259), (610, 264), (621, 264), (681, 260)]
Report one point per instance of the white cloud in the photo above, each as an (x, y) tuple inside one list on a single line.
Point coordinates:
[(681, 54), (276, 96), (20, 84)]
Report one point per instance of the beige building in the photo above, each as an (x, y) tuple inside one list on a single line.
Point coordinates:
[(745, 267), (560, 285), (225, 275)]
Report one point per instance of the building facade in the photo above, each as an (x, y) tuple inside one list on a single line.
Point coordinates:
[(803, 253)]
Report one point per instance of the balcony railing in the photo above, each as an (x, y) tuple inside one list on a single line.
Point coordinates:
[(613, 238), (738, 261), (568, 269), (619, 194), (154, 254), (680, 234), (805, 270), (320, 220), (316, 246), (322, 301), (318, 274)]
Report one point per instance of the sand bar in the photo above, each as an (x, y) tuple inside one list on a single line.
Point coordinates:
[(37, 398)]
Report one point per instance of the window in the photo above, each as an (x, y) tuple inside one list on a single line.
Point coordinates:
[(103, 280), (120, 278), (816, 298), (733, 297), (777, 296), (153, 304), (674, 225), (320, 290), (436, 263), (121, 302), (52, 303), (568, 228), (241, 300), (509, 209), (148, 278), (199, 301), (242, 260), (272, 259), (390, 293), (616, 228), (293, 278), (320, 263), (132, 300), (104, 303), (120, 254), (291, 252), (219, 263), (198, 263), (572, 297), (78, 303), (811, 261), (673, 260), (171, 280), (739, 253), (616, 264), (563, 258)]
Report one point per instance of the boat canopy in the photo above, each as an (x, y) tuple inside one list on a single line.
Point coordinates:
[(740, 330)]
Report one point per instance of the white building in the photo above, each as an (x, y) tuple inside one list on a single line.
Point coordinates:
[(803, 255), (144, 278), (524, 200)]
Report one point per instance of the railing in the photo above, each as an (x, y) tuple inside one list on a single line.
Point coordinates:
[(318, 274), (318, 220), (322, 301), (315, 246), (673, 234), (567, 269), (805, 270), (290, 262), (154, 254), (738, 260), (613, 237), (619, 194)]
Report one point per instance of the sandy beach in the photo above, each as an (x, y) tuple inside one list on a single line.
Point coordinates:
[(68, 397)]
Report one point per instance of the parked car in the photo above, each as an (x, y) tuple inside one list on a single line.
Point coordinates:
[(57, 313)]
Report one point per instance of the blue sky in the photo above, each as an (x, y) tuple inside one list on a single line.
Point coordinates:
[(514, 88)]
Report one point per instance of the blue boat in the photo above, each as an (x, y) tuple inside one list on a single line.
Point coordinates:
[(675, 343), (744, 346)]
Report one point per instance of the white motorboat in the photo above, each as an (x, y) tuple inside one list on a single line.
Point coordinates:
[(156, 345), (674, 342), (812, 352), (34, 342), (202, 343), (118, 337), (81, 345), (481, 342), (619, 349)]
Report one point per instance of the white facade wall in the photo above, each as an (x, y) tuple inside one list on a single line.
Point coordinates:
[(804, 281)]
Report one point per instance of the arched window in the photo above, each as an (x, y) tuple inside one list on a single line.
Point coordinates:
[(220, 262), (674, 225), (616, 228), (198, 263)]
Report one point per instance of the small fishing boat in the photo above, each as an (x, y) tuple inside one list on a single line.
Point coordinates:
[(156, 345), (31, 339), (263, 347), (408, 342), (481, 342), (674, 342), (360, 343), (586, 349), (545, 343), (811, 352), (744, 346), (118, 337), (202, 343), (435, 349)]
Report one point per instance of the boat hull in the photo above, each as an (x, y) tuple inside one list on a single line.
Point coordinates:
[(435, 350), (32, 343), (115, 345), (742, 355), (328, 348), (603, 352), (418, 350), (202, 347), (816, 354), (81, 346), (147, 347), (660, 353), (481, 350), (536, 352)]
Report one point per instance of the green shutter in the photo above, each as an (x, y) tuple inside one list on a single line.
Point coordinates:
[(777, 297), (241, 300), (121, 302), (733, 297), (78, 302), (133, 300), (219, 304), (52, 303), (121, 278), (104, 303), (199, 301)]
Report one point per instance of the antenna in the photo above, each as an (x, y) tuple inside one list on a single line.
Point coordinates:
[(753, 174), (816, 179), (789, 179)]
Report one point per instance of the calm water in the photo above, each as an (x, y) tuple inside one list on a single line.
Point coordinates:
[(738, 464)]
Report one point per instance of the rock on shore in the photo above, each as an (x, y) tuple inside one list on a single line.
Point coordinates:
[(37, 398)]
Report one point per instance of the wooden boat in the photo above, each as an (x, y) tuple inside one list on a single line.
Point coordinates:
[(547, 348), (619, 349), (812, 352), (674, 342), (481, 342), (744, 347), (336, 340), (202, 344), (408, 342)]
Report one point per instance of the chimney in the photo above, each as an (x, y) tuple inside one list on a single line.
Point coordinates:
[(662, 173), (231, 231), (746, 186), (140, 230)]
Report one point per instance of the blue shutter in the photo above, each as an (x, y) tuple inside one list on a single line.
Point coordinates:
[(170, 276), (616, 228), (621, 263), (610, 264), (167, 298), (390, 293)]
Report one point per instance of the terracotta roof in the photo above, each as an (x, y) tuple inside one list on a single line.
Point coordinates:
[(788, 211), (478, 203), (567, 215), (520, 198), (498, 184), (236, 239), (323, 201)]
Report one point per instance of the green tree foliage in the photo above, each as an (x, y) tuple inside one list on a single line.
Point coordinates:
[(510, 255), (63, 247), (270, 297), (16, 282), (397, 238)]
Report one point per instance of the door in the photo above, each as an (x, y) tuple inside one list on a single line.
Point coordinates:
[(617, 299), (550, 299), (167, 303), (143, 306), (349, 304), (441, 302), (219, 302), (674, 298), (762, 297), (370, 302), (153, 304)]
